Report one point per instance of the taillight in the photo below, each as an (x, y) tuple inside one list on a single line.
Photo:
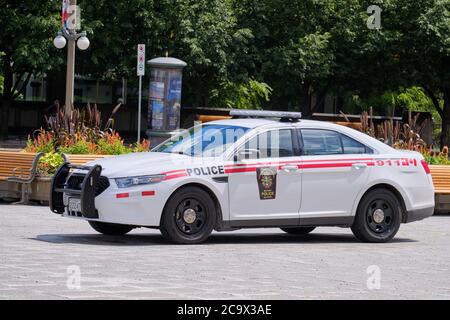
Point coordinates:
[(425, 166)]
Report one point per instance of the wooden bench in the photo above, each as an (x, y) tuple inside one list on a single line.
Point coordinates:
[(80, 159), (353, 125), (441, 181), (207, 118), (18, 168)]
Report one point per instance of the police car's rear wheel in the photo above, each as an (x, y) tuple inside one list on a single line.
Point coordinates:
[(298, 230), (378, 216), (189, 216), (110, 228)]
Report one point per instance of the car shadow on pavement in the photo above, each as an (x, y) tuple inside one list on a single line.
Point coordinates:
[(215, 239)]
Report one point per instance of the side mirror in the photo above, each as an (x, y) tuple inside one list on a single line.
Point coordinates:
[(246, 154)]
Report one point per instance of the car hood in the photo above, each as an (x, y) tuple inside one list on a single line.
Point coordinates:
[(141, 163)]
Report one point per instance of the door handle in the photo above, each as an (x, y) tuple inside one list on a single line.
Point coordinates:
[(289, 168), (359, 165)]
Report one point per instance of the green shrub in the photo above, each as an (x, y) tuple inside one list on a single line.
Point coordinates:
[(79, 147), (49, 162), (112, 144)]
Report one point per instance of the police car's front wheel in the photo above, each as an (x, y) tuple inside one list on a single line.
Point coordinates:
[(378, 216), (189, 216)]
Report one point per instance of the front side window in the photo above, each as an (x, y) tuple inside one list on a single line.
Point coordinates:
[(321, 142), (270, 144)]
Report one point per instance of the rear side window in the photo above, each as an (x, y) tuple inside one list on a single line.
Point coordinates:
[(321, 142), (327, 142), (352, 146)]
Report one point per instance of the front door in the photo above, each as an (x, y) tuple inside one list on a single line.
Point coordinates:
[(265, 189)]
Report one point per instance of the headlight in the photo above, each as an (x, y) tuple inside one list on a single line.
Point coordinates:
[(134, 181)]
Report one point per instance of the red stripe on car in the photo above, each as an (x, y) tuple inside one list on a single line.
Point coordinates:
[(122, 195), (173, 176)]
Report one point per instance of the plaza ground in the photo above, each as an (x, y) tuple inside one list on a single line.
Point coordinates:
[(41, 255)]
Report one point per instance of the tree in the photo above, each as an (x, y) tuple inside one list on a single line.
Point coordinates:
[(206, 35), (115, 28), (291, 48), (432, 58), (26, 31), (203, 33)]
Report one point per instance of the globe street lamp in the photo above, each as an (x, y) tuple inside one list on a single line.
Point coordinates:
[(70, 37)]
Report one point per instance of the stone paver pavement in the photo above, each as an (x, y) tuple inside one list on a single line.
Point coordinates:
[(41, 255)]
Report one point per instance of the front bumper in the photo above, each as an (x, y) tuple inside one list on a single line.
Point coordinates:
[(86, 193), (419, 214)]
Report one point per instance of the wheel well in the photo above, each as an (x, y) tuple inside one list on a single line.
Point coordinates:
[(219, 217), (394, 191)]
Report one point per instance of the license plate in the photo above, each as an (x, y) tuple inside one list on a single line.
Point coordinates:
[(74, 204)]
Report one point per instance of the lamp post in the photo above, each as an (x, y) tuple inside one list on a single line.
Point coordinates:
[(70, 36)]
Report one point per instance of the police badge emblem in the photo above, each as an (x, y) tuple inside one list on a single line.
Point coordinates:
[(267, 182)]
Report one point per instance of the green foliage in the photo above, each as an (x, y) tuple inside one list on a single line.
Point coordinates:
[(250, 95), (438, 160), (439, 157), (44, 142), (385, 103), (79, 147), (112, 144), (49, 162), (298, 50), (26, 33)]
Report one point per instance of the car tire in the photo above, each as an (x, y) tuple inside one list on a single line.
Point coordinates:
[(298, 230), (111, 229), (378, 216), (189, 216)]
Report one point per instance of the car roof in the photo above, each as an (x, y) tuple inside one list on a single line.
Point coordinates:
[(244, 122), (253, 123)]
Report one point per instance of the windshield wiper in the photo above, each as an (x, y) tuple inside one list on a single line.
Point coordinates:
[(180, 152)]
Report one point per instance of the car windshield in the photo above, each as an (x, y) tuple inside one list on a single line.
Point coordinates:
[(208, 140)]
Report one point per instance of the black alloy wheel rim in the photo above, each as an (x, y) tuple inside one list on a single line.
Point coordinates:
[(380, 216), (190, 216)]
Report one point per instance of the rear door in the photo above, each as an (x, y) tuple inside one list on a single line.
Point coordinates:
[(335, 168)]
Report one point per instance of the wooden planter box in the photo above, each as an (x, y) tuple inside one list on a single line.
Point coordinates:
[(9, 191), (40, 189)]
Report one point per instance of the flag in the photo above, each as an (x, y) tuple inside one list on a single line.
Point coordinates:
[(65, 13)]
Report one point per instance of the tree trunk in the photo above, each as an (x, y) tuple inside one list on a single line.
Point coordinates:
[(4, 119), (6, 98), (306, 101), (445, 134)]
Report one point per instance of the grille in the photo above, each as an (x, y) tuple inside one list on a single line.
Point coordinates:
[(76, 179), (102, 185)]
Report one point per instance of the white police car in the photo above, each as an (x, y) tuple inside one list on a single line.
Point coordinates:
[(259, 169)]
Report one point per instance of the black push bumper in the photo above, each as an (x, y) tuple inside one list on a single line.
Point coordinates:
[(86, 193)]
